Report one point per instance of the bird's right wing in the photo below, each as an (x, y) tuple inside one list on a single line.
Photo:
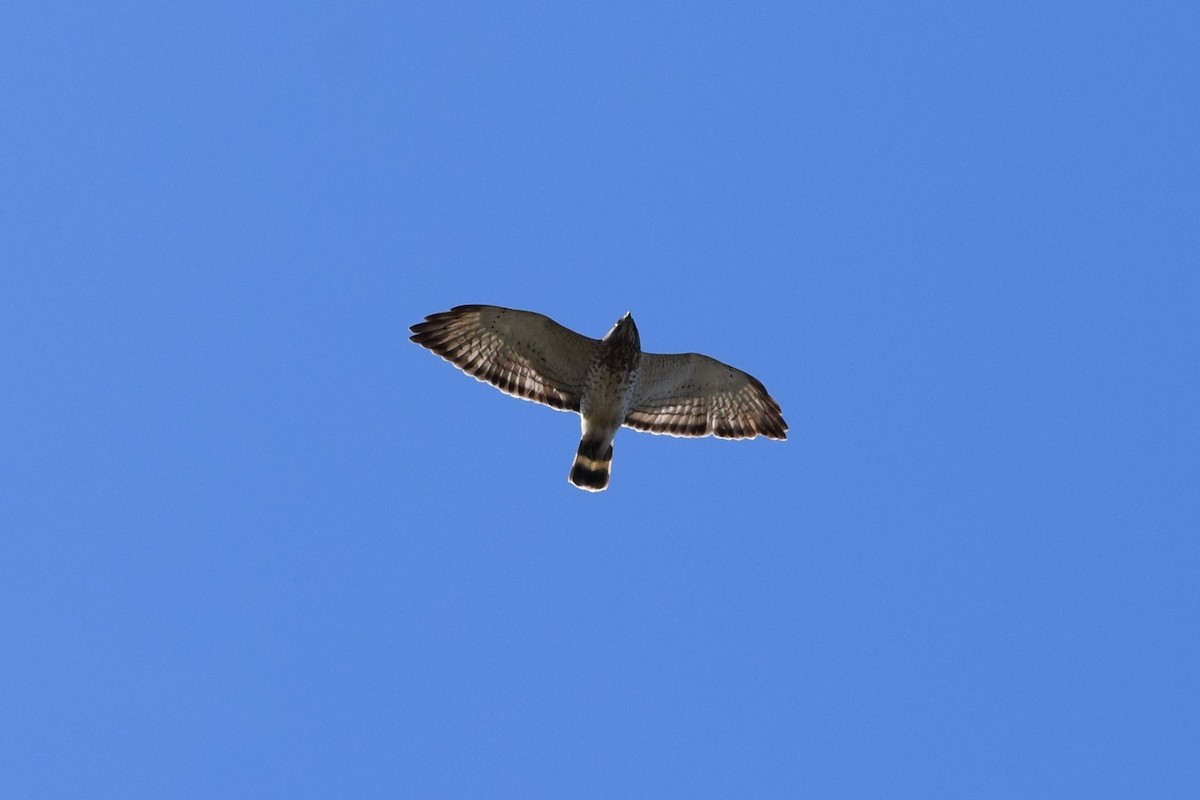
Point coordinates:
[(693, 395), (521, 353)]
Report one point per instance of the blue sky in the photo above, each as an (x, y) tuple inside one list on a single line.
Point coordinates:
[(255, 543)]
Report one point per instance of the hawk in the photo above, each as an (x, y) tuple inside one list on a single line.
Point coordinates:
[(609, 382)]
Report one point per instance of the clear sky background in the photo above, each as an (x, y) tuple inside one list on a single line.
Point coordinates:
[(256, 544)]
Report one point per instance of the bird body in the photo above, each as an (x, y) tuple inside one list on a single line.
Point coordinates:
[(609, 382), (609, 391)]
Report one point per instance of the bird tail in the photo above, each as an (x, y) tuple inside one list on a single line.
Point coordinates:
[(593, 463)]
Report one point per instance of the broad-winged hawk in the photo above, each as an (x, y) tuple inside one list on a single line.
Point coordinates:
[(609, 382)]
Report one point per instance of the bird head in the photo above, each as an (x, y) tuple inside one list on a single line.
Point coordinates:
[(625, 332)]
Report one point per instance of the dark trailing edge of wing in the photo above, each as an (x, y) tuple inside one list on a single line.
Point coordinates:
[(696, 418)]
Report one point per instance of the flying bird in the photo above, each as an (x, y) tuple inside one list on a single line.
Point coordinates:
[(609, 382)]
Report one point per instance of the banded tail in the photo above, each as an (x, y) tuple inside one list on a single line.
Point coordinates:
[(593, 463)]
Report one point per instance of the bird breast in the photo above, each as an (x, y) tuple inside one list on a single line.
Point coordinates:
[(611, 384)]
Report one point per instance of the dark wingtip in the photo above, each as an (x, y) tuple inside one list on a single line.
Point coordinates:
[(424, 338)]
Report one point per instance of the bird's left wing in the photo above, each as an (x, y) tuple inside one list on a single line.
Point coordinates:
[(693, 395), (521, 353)]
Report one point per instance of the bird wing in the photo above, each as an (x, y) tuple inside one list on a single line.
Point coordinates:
[(693, 395), (521, 353)]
